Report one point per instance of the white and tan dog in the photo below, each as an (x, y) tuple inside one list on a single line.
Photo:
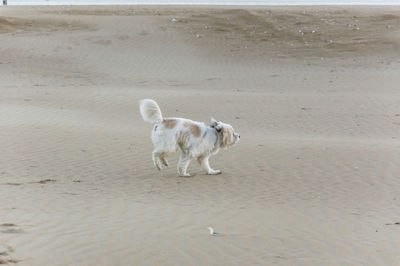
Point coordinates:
[(195, 140)]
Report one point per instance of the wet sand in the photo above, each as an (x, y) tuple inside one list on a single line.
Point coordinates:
[(313, 92)]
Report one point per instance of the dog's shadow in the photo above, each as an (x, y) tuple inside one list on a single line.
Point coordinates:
[(195, 174)]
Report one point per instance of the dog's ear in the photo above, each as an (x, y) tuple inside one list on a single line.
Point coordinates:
[(227, 138), (214, 122)]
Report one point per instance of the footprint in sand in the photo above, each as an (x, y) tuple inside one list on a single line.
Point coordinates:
[(10, 228), (44, 181), (5, 255)]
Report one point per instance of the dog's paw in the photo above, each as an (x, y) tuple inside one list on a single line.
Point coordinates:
[(158, 166), (165, 162), (214, 172), (184, 175)]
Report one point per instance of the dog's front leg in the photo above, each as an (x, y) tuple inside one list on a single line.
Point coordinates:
[(205, 164), (156, 159), (183, 164)]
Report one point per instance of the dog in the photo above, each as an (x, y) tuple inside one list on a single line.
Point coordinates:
[(194, 140)]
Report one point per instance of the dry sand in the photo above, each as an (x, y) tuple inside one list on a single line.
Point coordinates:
[(314, 93)]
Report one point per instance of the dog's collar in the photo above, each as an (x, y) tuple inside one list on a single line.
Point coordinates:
[(217, 138)]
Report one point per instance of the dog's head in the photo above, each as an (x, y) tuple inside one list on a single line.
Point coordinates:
[(228, 136)]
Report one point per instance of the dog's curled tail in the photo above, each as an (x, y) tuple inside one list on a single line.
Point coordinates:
[(150, 111)]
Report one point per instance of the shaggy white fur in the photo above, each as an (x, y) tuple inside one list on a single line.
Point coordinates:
[(194, 140)]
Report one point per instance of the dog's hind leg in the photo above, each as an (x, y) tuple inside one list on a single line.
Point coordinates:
[(156, 159), (163, 159), (183, 164)]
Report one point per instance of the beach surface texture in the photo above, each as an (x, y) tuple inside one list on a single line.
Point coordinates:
[(314, 93)]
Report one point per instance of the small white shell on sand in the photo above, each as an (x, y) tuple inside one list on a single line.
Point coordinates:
[(211, 231)]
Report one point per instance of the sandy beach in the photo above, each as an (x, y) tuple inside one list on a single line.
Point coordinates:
[(313, 91)]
